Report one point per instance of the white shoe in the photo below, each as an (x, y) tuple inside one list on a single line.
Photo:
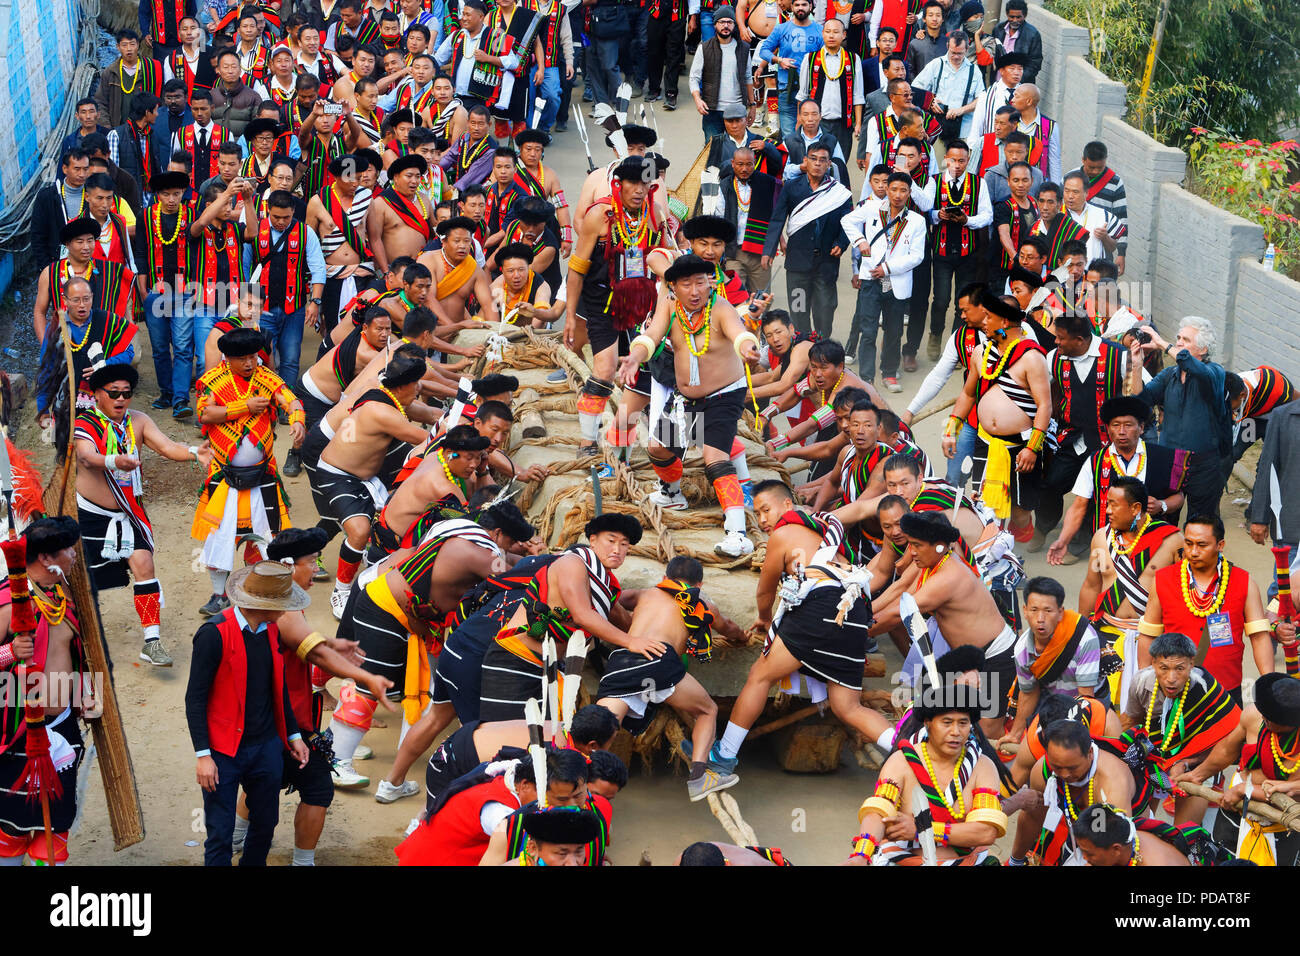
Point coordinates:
[(668, 500), (387, 793), (734, 545), (363, 753), (345, 778), (410, 827), (338, 601)]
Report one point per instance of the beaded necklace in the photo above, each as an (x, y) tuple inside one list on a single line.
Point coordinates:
[(1136, 858), (459, 483), (1116, 541), (157, 225), (400, 407), (121, 80), (821, 60), (683, 320), (998, 369), (926, 572), (1069, 802), (960, 813), (81, 210), (53, 609), (1194, 602), (1176, 718), (834, 388), (1114, 462), (1277, 755), (621, 222)]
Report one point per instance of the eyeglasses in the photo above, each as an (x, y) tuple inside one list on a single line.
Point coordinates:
[(115, 395)]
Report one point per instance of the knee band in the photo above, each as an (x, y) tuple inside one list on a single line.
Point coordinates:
[(669, 470), (354, 709), (349, 561), (725, 485)]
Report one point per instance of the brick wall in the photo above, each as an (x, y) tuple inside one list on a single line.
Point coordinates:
[(1061, 40), (1089, 98), (1265, 312), (1146, 166)]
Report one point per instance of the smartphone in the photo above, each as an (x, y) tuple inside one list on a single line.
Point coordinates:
[(332, 109)]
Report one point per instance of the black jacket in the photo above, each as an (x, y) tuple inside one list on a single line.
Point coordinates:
[(1030, 43), (48, 218), (811, 245), (796, 151)]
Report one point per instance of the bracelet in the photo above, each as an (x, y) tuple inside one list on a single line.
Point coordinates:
[(237, 409), (646, 343), (864, 845), (579, 265), (194, 450), (298, 417), (309, 644), (742, 338), (779, 442), (566, 232), (7, 655), (952, 427), (940, 831), (1036, 439)]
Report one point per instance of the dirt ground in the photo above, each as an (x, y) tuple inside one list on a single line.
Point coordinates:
[(811, 819)]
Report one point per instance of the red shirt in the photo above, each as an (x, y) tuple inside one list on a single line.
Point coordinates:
[(455, 837), (1223, 663)]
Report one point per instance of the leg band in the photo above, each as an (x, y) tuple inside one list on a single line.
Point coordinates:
[(349, 561), (148, 602)]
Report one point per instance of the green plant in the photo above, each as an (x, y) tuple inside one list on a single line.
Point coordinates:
[(1256, 182), (1226, 64)]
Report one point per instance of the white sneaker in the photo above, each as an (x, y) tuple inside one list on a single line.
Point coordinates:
[(338, 601), (363, 753), (345, 778), (668, 500), (387, 793), (734, 545)]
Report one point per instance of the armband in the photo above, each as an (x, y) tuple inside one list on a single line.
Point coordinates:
[(985, 799), (864, 845), (742, 338), (566, 234), (994, 818), (298, 416), (952, 427), (237, 409), (1147, 629), (1036, 439), (309, 644), (1255, 627), (7, 657), (645, 342), (559, 202), (770, 411), (824, 416), (884, 801), (579, 265)]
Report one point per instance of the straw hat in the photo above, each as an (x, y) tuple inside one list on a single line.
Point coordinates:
[(266, 586)]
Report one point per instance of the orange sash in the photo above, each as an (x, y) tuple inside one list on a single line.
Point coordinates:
[(456, 278)]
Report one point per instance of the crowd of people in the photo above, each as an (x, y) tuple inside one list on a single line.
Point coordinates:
[(377, 174)]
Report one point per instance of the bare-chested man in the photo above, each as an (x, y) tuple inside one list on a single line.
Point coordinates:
[(439, 487), (321, 386), (756, 19), (400, 221), (801, 588), (407, 599), (1105, 836), (346, 483), (600, 182), (520, 290), (961, 609), (445, 116), (709, 343), (675, 611), (1008, 384), (49, 653), (338, 216), (117, 532), (456, 276)]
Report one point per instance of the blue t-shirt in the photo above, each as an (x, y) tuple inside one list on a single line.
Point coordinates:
[(793, 42)]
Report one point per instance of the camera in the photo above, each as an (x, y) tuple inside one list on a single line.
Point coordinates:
[(332, 109), (1142, 336)]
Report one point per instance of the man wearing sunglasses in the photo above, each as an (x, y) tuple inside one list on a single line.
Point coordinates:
[(114, 526)]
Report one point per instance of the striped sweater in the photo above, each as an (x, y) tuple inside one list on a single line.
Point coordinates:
[(1111, 198)]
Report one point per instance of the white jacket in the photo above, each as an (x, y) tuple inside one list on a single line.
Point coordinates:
[(865, 222)]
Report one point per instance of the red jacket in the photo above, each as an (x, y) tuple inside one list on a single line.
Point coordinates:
[(226, 699), (455, 837)]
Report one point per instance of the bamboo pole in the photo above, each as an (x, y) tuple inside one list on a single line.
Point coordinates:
[(785, 721), (1263, 811), (934, 411), (120, 792)]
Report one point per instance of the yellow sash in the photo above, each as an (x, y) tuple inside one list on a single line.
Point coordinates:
[(456, 278), (415, 684), (995, 491)]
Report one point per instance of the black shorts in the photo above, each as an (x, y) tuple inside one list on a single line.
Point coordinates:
[(382, 638), (458, 678), (998, 673), (313, 406), (313, 782), (600, 327), (713, 420), (629, 674), (340, 496), (312, 446), (383, 542), (107, 574), (19, 815), (508, 682), (455, 757), (830, 653)]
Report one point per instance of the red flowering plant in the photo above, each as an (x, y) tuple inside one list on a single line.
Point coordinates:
[(1256, 181)]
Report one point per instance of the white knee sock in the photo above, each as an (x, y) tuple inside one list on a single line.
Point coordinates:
[(346, 740), (732, 738), (733, 519), (218, 579)]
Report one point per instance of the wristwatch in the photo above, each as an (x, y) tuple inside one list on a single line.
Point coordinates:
[(315, 300), (1164, 506)]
